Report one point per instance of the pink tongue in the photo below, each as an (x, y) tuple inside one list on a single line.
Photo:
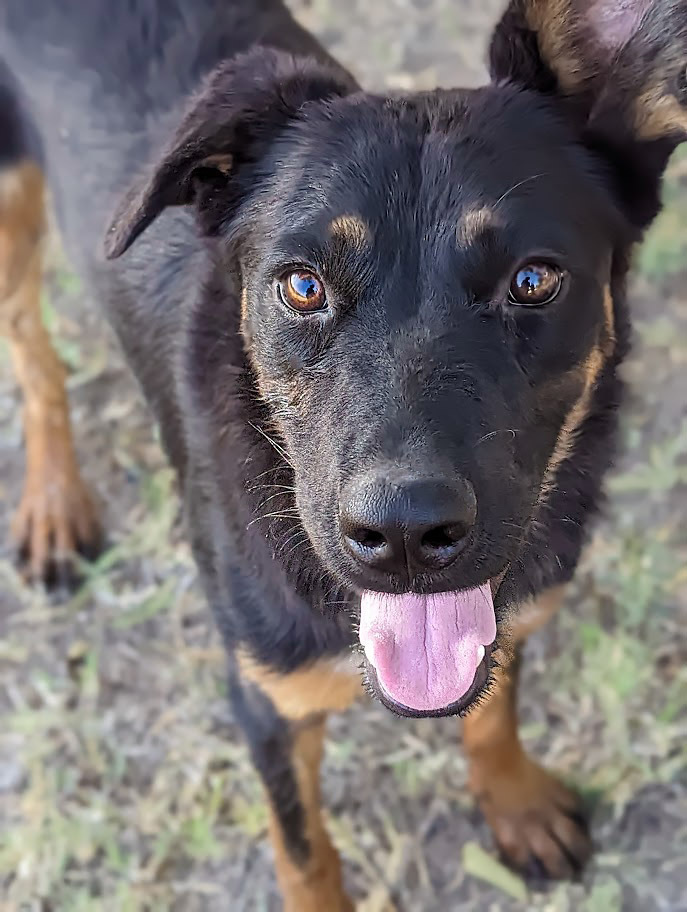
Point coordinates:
[(426, 648)]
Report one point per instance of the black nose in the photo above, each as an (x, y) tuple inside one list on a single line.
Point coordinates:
[(402, 525)]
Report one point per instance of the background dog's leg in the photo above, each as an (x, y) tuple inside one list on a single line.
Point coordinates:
[(284, 720), (56, 516), (536, 821)]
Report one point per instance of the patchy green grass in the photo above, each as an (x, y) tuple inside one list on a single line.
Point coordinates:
[(664, 252), (125, 786)]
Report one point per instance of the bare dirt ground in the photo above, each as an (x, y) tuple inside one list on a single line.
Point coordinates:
[(124, 784)]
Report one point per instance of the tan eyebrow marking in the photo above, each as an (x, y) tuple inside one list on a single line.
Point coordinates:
[(351, 228), (474, 222)]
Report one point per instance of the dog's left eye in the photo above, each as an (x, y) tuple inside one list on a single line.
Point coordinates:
[(302, 291), (535, 284)]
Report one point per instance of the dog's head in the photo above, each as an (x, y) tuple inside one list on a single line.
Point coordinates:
[(429, 289)]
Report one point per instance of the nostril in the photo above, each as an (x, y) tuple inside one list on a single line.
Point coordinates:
[(407, 524), (442, 537), (368, 538)]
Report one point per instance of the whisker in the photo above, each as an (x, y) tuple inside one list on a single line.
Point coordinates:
[(276, 515), (291, 537), (526, 180), (277, 468), (265, 487), (271, 497), (304, 545), (282, 452)]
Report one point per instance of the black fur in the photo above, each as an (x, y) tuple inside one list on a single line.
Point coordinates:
[(420, 361), (19, 138), (269, 739)]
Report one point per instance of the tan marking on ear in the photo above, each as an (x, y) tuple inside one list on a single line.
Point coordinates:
[(553, 21), (473, 223), (590, 370), (658, 113), (352, 229), (329, 685), (222, 161), (561, 40)]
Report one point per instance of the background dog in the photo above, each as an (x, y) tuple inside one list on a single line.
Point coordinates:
[(400, 501)]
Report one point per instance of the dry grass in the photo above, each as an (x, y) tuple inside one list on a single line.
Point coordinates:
[(124, 784)]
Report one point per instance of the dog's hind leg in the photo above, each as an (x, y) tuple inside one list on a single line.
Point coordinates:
[(56, 517), (283, 717), (536, 821)]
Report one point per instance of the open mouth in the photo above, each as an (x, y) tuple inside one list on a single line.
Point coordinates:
[(428, 655)]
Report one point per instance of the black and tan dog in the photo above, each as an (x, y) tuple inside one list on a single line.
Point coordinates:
[(380, 336)]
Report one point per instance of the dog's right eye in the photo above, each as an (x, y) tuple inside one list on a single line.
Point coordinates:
[(302, 291)]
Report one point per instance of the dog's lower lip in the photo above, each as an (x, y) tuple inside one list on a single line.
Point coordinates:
[(359, 586), (453, 709)]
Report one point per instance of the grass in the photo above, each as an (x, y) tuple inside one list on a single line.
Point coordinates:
[(124, 784), (664, 252), (137, 793)]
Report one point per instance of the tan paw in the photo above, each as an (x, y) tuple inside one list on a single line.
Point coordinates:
[(55, 521), (538, 823)]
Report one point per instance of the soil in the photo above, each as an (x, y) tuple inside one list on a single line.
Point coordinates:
[(124, 783)]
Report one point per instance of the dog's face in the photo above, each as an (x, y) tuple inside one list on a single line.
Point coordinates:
[(427, 307), (424, 305)]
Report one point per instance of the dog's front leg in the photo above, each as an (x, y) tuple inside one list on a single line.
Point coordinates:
[(536, 821), (283, 717), (56, 517)]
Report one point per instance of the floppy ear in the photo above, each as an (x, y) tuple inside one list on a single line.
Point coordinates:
[(242, 106), (618, 67)]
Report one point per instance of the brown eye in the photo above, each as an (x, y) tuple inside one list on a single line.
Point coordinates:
[(535, 284), (302, 291)]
